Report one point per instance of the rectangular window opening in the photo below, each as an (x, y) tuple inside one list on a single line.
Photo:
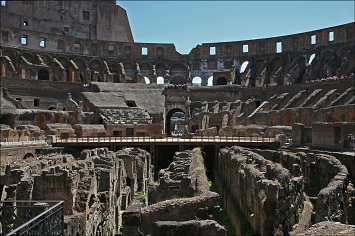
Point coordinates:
[(278, 47), (5, 36), (3, 3), (117, 133), (111, 49), (66, 29), (144, 51), (24, 40), (212, 51), (245, 48), (61, 44), (36, 102), (331, 36), (25, 23), (86, 15), (42, 42), (313, 39), (77, 48)]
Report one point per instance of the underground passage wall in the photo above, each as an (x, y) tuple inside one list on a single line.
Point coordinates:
[(265, 189)]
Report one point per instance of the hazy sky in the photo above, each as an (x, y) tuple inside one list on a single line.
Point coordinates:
[(189, 23)]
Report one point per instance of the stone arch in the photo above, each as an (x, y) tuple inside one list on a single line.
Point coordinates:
[(196, 81), (310, 58), (244, 66), (160, 80), (146, 70), (29, 57), (210, 81), (160, 68), (259, 72), (95, 66), (43, 74), (245, 73), (346, 61), (10, 67), (327, 57), (83, 73), (221, 80), (60, 72), (11, 54), (178, 73), (114, 70), (168, 121), (275, 71), (47, 59), (130, 69), (28, 155)]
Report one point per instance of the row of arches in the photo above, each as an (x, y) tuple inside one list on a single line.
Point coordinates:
[(62, 68), (283, 68)]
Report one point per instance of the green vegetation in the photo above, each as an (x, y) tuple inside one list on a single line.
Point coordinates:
[(226, 222)]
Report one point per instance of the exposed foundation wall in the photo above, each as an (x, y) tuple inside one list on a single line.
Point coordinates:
[(93, 185), (267, 194), (174, 209), (325, 179)]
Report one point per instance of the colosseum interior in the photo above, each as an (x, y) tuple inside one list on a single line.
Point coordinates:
[(89, 147)]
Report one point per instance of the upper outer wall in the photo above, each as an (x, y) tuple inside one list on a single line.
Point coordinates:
[(289, 43), (95, 20), (108, 34)]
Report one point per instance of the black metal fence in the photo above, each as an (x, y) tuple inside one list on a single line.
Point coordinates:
[(32, 218)]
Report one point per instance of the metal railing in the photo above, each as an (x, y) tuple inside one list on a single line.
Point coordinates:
[(205, 139), (32, 217), (9, 143)]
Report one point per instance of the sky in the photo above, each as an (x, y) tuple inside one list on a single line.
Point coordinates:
[(189, 23)]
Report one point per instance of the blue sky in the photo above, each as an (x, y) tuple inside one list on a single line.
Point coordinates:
[(189, 23)]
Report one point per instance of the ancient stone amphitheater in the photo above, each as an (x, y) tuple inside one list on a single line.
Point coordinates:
[(101, 135)]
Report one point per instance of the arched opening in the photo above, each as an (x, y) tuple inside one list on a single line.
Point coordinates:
[(178, 74), (147, 81), (81, 78), (160, 80), (196, 81), (244, 66), (131, 103), (311, 58), (210, 81), (28, 155), (177, 80), (221, 80), (175, 122), (43, 74)]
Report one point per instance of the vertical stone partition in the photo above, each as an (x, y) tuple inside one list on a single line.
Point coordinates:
[(182, 202), (258, 192)]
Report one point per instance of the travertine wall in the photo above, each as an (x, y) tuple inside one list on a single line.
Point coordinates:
[(181, 196), (268, 195), (325, 179), (93, 185)]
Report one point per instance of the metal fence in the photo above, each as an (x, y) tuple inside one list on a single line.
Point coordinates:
[(32, 218), (205, 139)]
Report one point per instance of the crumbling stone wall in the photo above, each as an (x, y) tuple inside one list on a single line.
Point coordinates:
[(185, 177), (193, 201), (92, 185), (325, 181), (267, 194)]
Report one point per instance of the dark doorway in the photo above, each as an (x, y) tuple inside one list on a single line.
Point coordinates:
[(43, 74), (129, 132), (222, 81), (175, 119)]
